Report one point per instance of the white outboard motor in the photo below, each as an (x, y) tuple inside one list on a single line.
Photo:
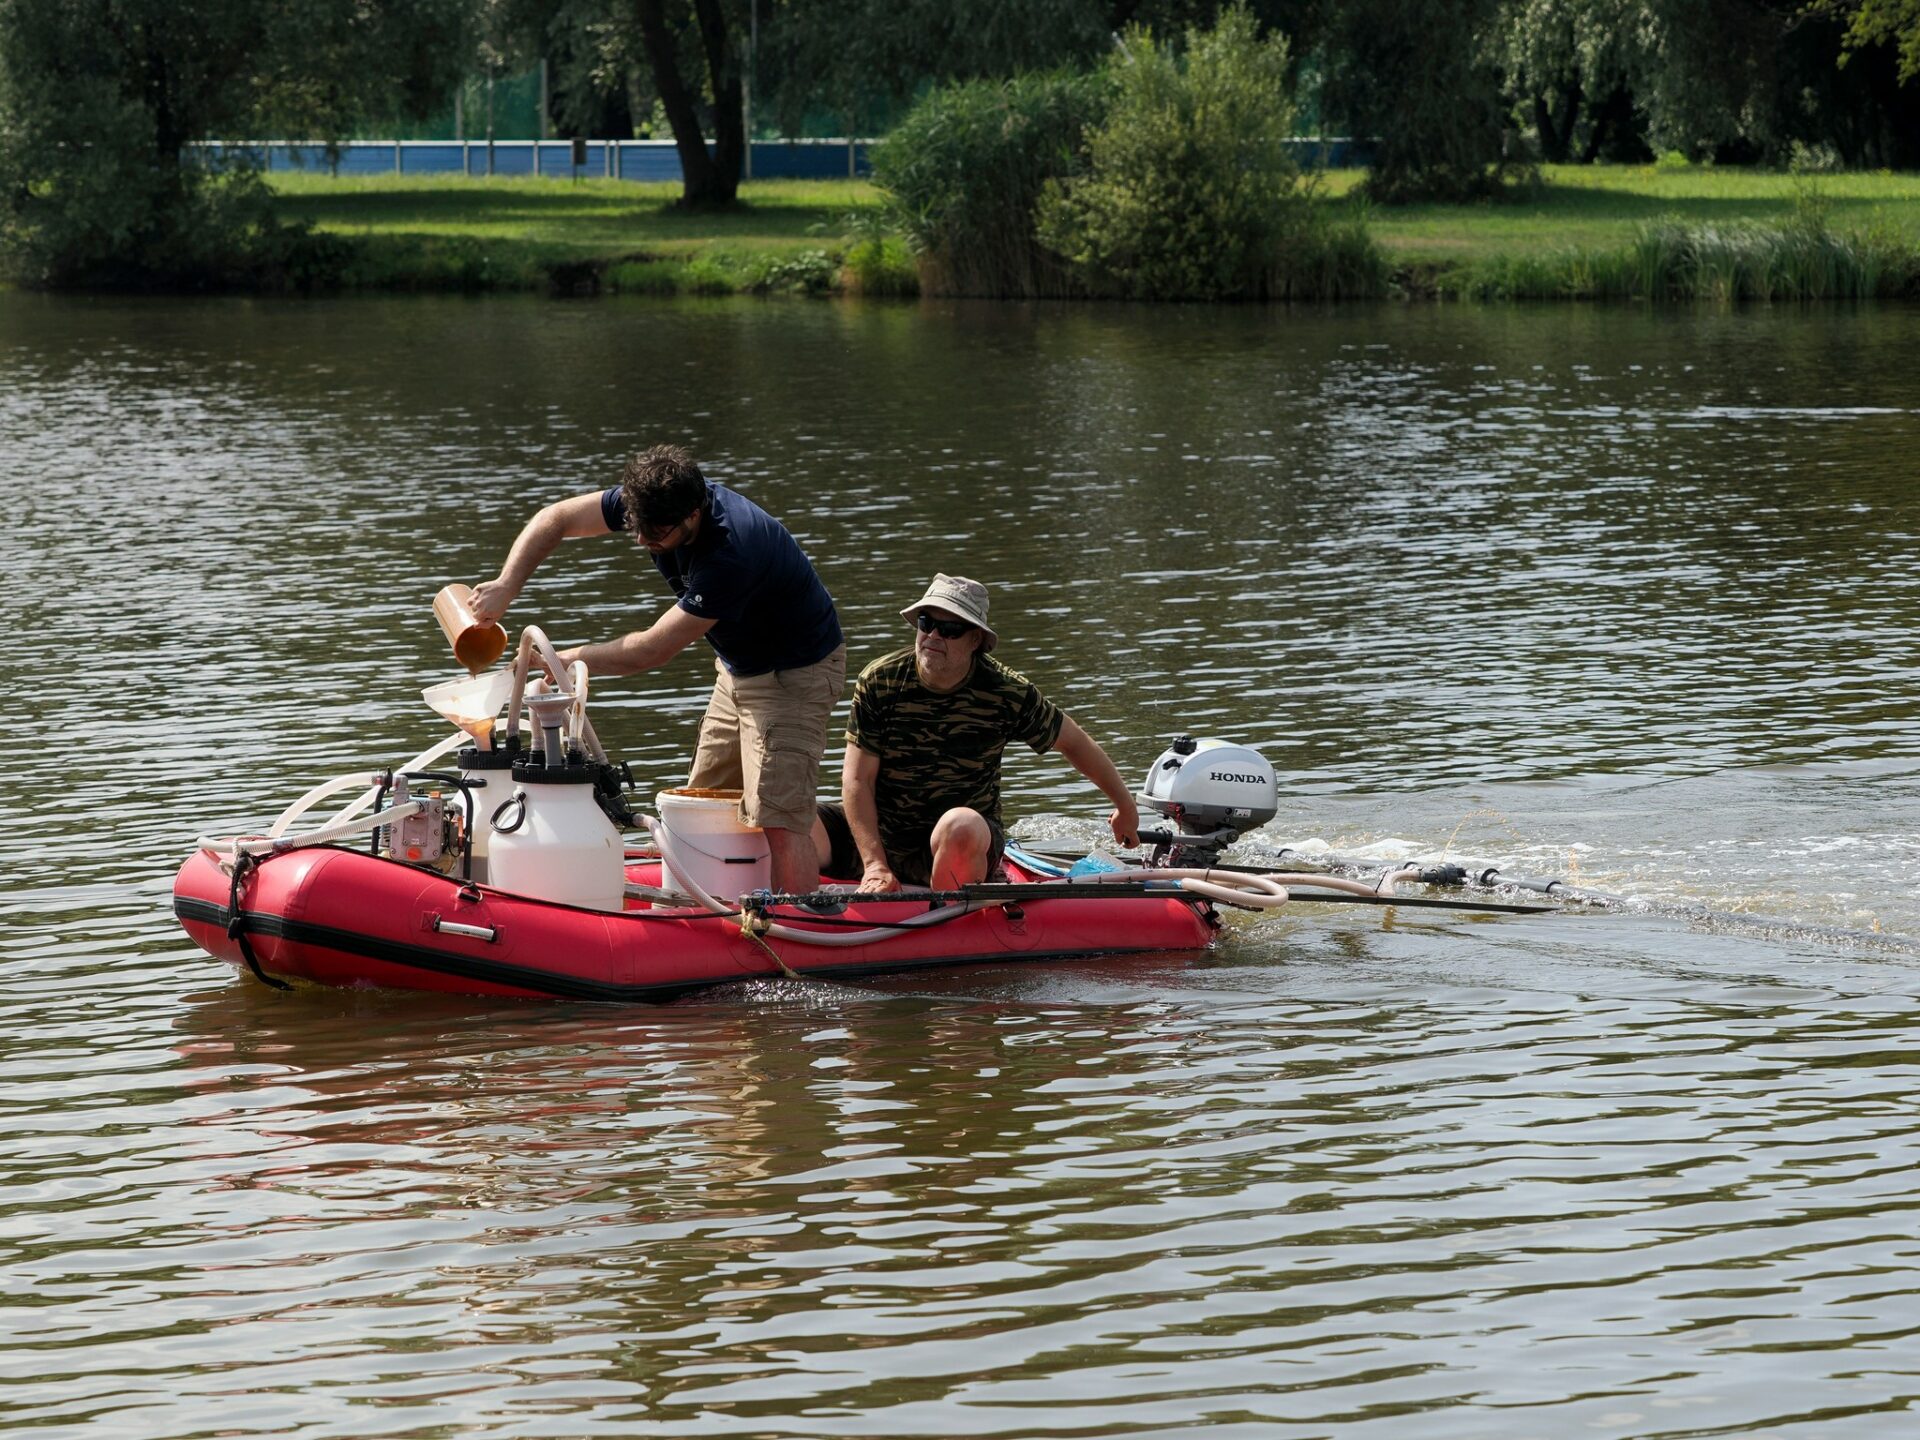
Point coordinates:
[(1213, 792)]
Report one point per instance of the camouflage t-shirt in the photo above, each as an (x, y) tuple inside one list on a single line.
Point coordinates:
[(938, 751)]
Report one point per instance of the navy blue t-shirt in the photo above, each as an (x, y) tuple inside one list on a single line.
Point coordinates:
[(747, 574)]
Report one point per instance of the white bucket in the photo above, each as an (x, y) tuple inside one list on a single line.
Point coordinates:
[(703, 841)]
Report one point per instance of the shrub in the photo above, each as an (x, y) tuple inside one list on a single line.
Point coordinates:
[(808, 272), (106, 224), (879, 265), (706, 275), (645, 277), (965, 170), (1191, 190), (1330, 261)]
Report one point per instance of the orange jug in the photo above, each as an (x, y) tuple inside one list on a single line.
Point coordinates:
[(475, 645)]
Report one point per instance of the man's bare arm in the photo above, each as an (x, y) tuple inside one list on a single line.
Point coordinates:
[(858, 778), (1086, 756), (540, 537), (646, 649)]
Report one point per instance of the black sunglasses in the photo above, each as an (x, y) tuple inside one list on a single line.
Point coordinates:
[(930, 624), (660, 534)]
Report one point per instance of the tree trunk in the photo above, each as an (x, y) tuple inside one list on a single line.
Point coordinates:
[(729, 115), (702, 183), (1615, 110), (1556, 140)]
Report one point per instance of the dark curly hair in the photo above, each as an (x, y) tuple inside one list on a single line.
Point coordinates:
[(661, 487)]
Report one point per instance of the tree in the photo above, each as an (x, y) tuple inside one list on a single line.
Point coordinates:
[(708, 181), (1190, 190), (100, 101), (684, 54), (1418, 77), (1882, 22), (1572, 66), (864, 62)]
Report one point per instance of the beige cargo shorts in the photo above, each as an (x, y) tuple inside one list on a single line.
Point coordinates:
[(764, 735)]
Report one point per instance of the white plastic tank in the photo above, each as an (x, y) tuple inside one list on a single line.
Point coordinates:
[(552, 841), (702, 840), (490, 773)]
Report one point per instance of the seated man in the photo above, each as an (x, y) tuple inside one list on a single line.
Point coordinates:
[(920, 795)]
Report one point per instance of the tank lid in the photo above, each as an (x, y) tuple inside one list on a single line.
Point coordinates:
[(524, 774), (473, 759)]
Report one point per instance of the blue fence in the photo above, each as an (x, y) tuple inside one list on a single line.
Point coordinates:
[(554, 159), (625, 159)]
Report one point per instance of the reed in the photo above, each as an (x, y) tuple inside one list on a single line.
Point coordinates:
[(880, 266), (1332, 259), (1800, 259)]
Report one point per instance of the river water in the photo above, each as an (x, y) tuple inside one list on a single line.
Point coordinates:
[(1621, 596)]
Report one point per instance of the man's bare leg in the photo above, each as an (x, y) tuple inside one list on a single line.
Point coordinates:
[(960, 843), (796, 864)]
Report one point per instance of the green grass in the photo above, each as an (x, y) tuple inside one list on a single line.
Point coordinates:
[(446, 232), (1582, 233), (1603, 208)]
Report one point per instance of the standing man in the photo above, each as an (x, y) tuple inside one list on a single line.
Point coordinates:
[(920, 795), (744, 584)]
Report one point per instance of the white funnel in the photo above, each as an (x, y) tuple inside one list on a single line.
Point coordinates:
[(472, 702)]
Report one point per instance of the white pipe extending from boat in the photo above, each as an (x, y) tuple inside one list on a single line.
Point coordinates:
[(233, 846), (1265, 891), (314, 796), (1229, 887), (419, 762)]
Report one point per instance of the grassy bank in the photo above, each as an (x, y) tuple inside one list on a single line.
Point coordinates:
[(448, 233), (1585, 232)]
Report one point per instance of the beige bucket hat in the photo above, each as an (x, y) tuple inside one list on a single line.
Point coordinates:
[(958, 596)]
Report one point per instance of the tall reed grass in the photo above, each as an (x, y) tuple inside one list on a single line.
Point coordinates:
[(1801, 258)]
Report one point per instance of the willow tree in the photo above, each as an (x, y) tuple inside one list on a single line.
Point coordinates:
[(1419, 78)]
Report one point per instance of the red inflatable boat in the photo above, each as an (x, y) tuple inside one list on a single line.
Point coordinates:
[(344, 917), (507, 874)]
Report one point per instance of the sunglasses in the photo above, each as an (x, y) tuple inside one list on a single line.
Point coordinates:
[(652, 535), (929, 624)]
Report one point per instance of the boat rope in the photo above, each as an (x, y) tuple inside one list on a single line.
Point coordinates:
[(752, 923), (244, 864)]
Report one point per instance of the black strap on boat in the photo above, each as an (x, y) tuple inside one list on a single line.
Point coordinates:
[(244, 864)]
